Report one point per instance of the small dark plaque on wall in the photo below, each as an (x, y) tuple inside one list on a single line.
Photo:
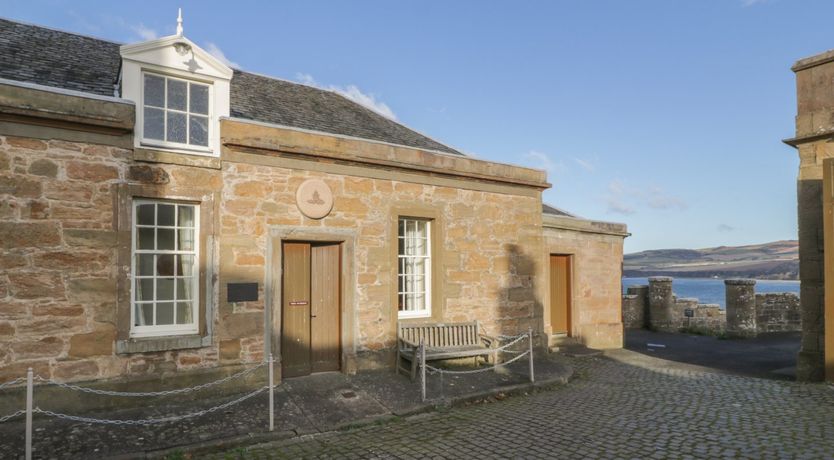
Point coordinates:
[(689, 313), (241, 292)]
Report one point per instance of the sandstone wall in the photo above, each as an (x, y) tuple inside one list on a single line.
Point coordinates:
[(777, 312), (59, 265), (597, 286), (490, 243), (59, 283)]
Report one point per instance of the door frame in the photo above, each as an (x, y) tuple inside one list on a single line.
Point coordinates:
[(273, 287), (572, 307)]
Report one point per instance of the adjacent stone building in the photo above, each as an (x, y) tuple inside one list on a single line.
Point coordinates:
[(161, 213), (813, 141)]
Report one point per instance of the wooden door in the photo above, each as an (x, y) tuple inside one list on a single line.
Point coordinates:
[(560, 294), (295, 316), (325, 318), (310, 316)]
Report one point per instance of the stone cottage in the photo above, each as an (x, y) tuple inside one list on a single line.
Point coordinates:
[(162, 214)]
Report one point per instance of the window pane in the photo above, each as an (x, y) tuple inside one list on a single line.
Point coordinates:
[(144, 289), (184, 288), (165, 265), (186, 216), (154, 124), (185, 265), (177, 91), (176, 127), (144, 314), (401, 230), (165, 313), (165, 215), (199, 99), (144, 265), (144, 214), (198, 131), (144, 238), (165, 238), (184, 313), (154, 91), (185, 241), (164, 289)]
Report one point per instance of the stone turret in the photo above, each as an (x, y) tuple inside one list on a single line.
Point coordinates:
[(661, 302)]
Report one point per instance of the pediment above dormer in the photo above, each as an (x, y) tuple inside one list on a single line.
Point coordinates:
[(178, 53)]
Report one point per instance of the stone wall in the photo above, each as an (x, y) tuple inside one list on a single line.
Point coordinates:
[(775, 312), (60, 262), (597, 255)]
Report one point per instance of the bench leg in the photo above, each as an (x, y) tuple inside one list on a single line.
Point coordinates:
[(414, 366)]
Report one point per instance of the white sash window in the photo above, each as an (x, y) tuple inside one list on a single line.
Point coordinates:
[(165, 269), (414, 268)]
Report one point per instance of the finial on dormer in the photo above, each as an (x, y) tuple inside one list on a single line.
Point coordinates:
[(179, 22)]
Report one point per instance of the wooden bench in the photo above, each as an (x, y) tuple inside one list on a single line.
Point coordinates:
[(442, 341)]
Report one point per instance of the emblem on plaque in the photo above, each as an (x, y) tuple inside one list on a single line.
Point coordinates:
[(314, 199)]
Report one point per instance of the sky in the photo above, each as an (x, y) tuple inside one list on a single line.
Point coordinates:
[(665, 115)]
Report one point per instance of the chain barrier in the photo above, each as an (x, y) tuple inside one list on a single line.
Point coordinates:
[(11, 382), (150, 421), (30, 379), (435, 370), (6, 418), (425, 368), (203, 386)]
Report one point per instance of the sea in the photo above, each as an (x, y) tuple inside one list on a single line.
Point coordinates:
[(711, 290)]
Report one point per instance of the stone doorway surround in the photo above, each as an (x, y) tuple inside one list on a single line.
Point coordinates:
[(272, 311)]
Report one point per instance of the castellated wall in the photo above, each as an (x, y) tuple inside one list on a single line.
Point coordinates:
[(747, 314)]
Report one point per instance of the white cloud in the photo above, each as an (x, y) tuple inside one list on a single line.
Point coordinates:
[(542, 160), (215, 51), (145, 33), (352, 92), (626, 199), (587, 165), (746, 3), (724, 228)]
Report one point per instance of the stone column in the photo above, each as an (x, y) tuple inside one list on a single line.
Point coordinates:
[(661, 301), (741, 307), (635, 306)]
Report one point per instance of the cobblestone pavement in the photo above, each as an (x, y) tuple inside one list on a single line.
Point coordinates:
[(613, 409)]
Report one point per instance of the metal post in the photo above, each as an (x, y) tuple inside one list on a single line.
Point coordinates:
[(271, 396), (29, 378), (423, 368), (530, 350)]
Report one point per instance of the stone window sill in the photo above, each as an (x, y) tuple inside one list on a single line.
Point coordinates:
[(150, 344), (161, 156)]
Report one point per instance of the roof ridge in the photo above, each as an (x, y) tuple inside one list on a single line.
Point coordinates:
[(55, 29)]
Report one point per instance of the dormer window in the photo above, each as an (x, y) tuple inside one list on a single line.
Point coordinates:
[(175, 112), (181, 92)]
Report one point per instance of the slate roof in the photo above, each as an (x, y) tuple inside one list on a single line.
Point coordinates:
[(554, 211), (59, 59)]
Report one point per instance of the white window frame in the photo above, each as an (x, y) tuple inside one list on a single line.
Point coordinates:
[(145, 142), (168, 329), (425, 313)]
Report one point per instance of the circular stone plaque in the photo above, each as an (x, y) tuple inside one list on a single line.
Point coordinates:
[(314, 199)]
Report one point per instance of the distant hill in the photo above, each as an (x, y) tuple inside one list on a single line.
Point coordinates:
[(778, 260)]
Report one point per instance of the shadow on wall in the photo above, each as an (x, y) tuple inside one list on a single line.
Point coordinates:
[(518, 303)]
